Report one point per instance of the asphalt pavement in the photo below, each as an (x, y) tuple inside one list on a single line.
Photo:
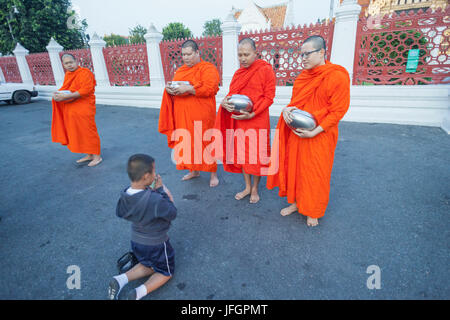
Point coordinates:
[(387, 222)]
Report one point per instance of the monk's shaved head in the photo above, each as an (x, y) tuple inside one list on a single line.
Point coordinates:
[(313, 52), (247, 52), (317, 42), (68, 55), (190, 44), (69, 62), (248, 41), (190, 53)]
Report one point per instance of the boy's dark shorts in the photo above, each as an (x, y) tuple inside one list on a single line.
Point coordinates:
[(160, 258)]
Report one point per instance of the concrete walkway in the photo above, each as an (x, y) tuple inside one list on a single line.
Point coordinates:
[(389, 207)]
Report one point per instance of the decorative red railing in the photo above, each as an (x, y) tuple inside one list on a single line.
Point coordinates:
[(127, 65), (10, 69), (210, 50), (382, 48), (281, 48), (83, 57), (41, 68)]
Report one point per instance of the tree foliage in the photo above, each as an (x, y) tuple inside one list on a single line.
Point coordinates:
[(176, 30), (33, 22), (137, 34), (212, 28), (115, 40)]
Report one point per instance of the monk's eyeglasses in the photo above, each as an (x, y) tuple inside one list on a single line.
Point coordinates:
[(307, 54)]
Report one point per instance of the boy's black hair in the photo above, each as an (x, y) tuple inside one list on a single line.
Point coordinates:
[(138, 165)]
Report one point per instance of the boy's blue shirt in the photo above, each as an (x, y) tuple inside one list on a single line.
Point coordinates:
[(151, 213)]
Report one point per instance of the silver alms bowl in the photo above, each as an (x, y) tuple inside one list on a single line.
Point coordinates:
[(177, 84), (241, 102), (302, 120)]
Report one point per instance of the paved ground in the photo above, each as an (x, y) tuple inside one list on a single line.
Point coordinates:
[(389, 207)]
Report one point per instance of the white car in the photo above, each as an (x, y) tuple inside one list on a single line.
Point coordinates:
[(18, 93)]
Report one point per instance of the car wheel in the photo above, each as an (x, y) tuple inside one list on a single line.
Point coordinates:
[(21, 97)]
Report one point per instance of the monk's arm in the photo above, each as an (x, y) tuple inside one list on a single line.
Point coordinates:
[(73, 95), (88, 85), (269, 84), (338, 90), (209, 85)]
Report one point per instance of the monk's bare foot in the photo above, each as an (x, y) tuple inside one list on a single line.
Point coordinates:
[(191, 175), (289, 210), (243, 194), (310, 222), (85, 159), (214, 182), (254, 197), (96, 161)]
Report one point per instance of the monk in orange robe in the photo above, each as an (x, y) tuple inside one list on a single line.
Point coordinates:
[(246, 136), (302, 160), (189, 112), (73, 118)]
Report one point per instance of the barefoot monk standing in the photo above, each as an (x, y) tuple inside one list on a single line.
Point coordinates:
[(304, 159)]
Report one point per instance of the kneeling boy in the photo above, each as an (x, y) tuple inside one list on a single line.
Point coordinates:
[(151, 212)]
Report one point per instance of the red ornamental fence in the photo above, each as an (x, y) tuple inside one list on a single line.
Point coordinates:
[(382, 48), (127, 65), (281, 48), (10, 69), (83, 56), (210, 51), (41, 68)]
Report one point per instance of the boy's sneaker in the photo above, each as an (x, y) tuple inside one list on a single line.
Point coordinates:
[(126, 262), (113, 289)]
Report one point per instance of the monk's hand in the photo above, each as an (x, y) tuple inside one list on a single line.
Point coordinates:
[(287, 114), (57, 96), (227, 105), (185, 89), (302, 133), (244, 115), (170, 90)]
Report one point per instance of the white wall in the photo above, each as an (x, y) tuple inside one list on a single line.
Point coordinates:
[(409, 105)]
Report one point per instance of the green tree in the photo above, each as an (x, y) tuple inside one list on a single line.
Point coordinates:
[(34, 22), (212, 28), (176, 30), (137, 34), (115, 40)]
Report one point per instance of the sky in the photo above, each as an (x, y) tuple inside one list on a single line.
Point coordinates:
[(118, 16)]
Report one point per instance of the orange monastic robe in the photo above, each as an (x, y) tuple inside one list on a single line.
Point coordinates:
[(73, 122), (257, 82), (305, 164), (186, 118)]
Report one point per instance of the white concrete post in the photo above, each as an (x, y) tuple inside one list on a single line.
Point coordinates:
[(20, 53), (2, 76), (153, 38), (344, 38), (230, 38), (98, 61), (54, 48)]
